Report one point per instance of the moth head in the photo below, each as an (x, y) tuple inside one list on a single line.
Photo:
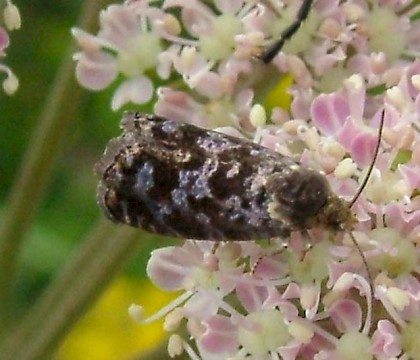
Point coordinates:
[(303, 199)]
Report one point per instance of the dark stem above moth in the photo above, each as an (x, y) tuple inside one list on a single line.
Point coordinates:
[(272, 50)]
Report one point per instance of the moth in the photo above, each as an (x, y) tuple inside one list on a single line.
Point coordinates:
[(180, 180)]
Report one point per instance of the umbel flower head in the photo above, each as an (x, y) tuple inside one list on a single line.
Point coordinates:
[(350, 62)]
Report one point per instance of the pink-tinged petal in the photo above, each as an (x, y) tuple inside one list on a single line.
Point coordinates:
[(292, 291), (118, 23), (411, 174), (202, 305), (327, 61), (329, 113), (174, 105), (386, 340), (301, 104), (414, 69), (362, 148), (190, 63), (166, 60), (288, 309), (172, 3), (273, 142), (95, 71), (270, 267), (347, 315), (243, 100), (299, 71), (415, 153), (413, 309), (360, 64), (337, 269), (251, 297), (392, 76), (356, 96), (168, 267), (138, 90), (196, 18), (89, 43), (290, 351), (378, 63), (207, 84), (233, 67), (179, 106), (256, 298), (417, 104), (326, 355), (220, 335), (231, 131), (311, 350), (4, 41), (371, 66), (280, 116), (398, 218), (275, 299), (229, 7), (348, 133), (399, 138), (310, 298), (392, 116), (228, 279), (412, 286), (208, 355)]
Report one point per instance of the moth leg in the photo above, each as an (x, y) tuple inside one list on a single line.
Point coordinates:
[(307, 244), (214, 247), (284, 245), (272, 252)]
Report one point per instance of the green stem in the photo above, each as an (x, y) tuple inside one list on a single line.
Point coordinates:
[(34, 175), (88, 273), (51, 297)]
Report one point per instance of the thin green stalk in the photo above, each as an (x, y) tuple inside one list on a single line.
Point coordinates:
[(90, 277), (36, 169), (53, 294)]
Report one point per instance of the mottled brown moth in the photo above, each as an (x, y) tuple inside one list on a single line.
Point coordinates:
[(176, 179)]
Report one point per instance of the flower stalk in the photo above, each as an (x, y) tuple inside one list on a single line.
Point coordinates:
[(32, 179), (79, 284)]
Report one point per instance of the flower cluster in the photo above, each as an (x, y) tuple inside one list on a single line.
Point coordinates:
[(11, 19), (351, 64)]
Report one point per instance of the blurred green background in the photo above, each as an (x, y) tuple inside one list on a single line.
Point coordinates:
[(68, 209)]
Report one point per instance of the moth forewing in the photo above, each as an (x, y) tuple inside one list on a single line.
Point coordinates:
[(177, 179)]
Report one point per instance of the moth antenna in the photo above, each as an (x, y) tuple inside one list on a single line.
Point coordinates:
[(356, 196), (372, 164), (284, 246), (369, 274)]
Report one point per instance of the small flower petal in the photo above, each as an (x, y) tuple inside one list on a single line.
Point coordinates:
[(138, 90)]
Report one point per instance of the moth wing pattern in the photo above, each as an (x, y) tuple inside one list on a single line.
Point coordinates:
[(177, 179), (180, 180)]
